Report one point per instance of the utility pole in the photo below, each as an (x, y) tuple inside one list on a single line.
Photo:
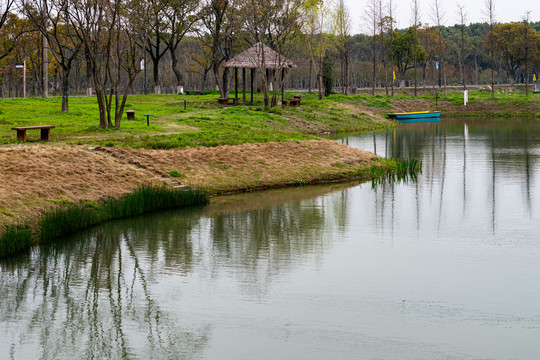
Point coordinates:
[(45, 61), (23, 66), (144, 49)]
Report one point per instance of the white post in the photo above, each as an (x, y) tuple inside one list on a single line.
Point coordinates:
[(24, 78), (465, 97)]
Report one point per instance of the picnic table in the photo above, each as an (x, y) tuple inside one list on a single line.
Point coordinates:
[(225, 101), (292, 102)]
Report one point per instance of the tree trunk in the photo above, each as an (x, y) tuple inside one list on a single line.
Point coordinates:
[(157, 83), (225, 83), (65, 90), (101, 105), (319, 77), (89, 74), (176, 70), (310, 84)]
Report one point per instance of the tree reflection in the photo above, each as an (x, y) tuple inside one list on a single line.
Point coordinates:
[(98, 294), (91, 295)]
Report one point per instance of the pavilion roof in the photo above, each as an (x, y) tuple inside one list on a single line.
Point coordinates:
[(252, 58)]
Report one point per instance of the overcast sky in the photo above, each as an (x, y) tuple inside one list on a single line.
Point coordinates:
[(505, 11)]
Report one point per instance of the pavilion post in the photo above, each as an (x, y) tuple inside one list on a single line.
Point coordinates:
[(235, 86), (244, 86), (252, 80)]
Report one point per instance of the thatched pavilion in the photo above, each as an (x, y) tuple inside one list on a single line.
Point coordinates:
[(252, 59)]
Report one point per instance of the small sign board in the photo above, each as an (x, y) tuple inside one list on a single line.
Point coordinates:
[(437, 65), (19, 65)]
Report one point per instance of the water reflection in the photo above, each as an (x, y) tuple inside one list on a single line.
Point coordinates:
[(101, 293), (91, 295), (503, 154), (405, 270)]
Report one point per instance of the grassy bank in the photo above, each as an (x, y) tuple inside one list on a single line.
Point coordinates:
[(72, 217), (507, 103), (206, 123), (203, 123)]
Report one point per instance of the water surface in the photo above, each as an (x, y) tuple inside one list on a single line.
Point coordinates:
[(445, 267)]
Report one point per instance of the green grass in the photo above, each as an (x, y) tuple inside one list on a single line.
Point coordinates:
[(203, 123), (71, 218), (15, 240)]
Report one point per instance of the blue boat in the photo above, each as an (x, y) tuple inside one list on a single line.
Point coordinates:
[(419, 120), (415, 115)]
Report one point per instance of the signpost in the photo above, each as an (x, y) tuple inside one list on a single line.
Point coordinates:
[(438, 67), (22, 66)]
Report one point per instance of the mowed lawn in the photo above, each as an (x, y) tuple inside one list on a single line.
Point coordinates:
[(203, 123)]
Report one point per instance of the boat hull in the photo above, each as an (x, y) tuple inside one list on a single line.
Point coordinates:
[(419, 120), (415, 115)]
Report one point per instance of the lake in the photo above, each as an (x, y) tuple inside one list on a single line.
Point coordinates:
[(445, 267)]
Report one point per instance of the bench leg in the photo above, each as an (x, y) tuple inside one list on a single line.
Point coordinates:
[(46, 134), (21, 135)]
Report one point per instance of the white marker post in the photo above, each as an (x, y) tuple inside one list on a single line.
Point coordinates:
[(465, 97), (23, 66)]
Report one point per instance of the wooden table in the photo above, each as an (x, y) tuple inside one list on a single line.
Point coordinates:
[(45, 131)]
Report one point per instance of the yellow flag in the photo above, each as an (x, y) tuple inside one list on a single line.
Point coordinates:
[(395, 75), (534, 77)]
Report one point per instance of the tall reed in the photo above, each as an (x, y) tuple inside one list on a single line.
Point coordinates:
[(14, 240), (74, 217), (403, 171)]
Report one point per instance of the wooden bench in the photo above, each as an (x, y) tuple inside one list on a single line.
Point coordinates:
[(292, 102), (130, 114), (225, 101), (45, 131), (189, 92)]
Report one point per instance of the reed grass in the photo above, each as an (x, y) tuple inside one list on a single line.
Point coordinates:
[(71, 218), (15, 240), (403, 170)]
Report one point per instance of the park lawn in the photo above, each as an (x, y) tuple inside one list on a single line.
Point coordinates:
[(203, 123)]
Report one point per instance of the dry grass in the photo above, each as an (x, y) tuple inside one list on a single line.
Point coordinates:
[(249, 166), (37, 177)]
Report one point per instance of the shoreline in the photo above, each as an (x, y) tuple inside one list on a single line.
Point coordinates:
[(37, 179)]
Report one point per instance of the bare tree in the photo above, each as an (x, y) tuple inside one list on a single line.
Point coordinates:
[(180, 15), (526, 47), (439, 19), (278, 24), (155, 16), (316, 24), (52, 19), (416, 23), (462, 14), (390, 24), (6, 15), (489, 13), (342, 30), (219, 18), (372, 16), (382, 21), (105, 29)]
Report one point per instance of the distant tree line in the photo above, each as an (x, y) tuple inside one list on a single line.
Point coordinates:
[(112, 48)]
